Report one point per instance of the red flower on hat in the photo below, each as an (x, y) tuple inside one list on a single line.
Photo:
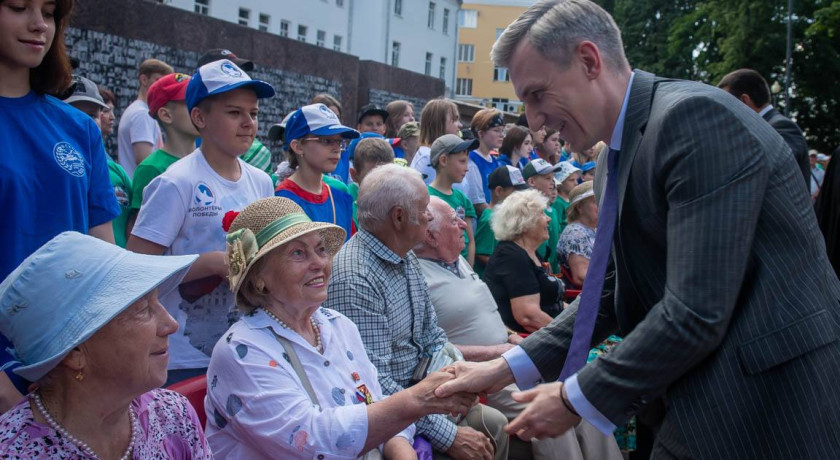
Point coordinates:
[(228, 219)]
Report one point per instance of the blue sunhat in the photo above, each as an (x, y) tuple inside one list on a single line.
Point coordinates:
[(70, 288), (220, 77), (318, 120)]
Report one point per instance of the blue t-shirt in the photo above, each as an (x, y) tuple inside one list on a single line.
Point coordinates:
[(53, 175), (485, 168), (319, 207)]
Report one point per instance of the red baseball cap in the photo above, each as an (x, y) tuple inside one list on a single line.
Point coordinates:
[(172, 87)]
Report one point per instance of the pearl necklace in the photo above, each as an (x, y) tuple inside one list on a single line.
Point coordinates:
[(78, 442), (318, 345)]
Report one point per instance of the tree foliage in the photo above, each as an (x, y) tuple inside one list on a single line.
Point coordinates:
[(706, 39)]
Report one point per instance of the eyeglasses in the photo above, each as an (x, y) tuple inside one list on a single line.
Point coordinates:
[(340, 143)]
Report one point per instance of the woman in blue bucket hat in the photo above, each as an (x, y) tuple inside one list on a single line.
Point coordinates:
[(89, 331)]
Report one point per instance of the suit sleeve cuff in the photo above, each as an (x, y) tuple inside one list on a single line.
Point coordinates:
[(524, 371), (586, 410)]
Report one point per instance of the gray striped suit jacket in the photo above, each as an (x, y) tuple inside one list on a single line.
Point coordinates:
[(719, 284)]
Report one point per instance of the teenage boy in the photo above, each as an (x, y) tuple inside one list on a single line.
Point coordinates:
[(137, 133), (168, 108), (450, 156), (503, 181), (566, 178), (539, 174), (370, 153), (85, 96), (183, 208), (370, 123)]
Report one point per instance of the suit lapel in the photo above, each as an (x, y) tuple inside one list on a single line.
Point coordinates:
[(635, 120)]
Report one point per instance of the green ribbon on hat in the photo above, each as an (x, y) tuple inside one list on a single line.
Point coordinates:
[(284, 223)]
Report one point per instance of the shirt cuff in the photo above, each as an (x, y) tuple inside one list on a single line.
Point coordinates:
[(586, 410), (524, 371)]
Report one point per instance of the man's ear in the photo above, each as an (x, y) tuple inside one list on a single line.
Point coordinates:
[(164, 115), (354, 175), (398, 217), (197, 116), (590, 56)]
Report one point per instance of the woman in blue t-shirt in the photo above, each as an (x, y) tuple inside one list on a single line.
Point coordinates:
[(488, 126), (316, 138), (54, 174)]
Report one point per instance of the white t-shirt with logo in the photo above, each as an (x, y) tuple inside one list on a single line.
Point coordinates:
[(135, 126), (182, 210)]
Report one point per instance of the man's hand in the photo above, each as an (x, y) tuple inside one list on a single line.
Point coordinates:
[(546, 416), (427, 403), (476, 378), (470, 444), (515, 339)]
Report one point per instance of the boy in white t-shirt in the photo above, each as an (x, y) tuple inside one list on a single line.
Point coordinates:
[(183, 208)]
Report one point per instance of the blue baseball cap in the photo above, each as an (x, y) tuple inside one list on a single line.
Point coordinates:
[(70, 288), (220, 77), (316, 119)]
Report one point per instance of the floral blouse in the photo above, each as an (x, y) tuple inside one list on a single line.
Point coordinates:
[(257, 407), (168, 430), (575, 239)]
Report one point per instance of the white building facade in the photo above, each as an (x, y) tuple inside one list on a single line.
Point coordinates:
[(416, 35)]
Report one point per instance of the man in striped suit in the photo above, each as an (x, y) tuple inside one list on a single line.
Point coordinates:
[(715, 273)]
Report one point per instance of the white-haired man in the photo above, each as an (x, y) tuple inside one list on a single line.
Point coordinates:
[(376, 281), (703, 222), (468, 314)]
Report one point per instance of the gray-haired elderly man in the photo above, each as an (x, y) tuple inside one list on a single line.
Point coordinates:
[(376, 282), (468, 314), (704, 229)]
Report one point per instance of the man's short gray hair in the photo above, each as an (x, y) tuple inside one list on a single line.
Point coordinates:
[(520, 212), (556, 27), (384, 188)]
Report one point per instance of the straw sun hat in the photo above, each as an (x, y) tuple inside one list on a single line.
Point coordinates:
[(264, 225)]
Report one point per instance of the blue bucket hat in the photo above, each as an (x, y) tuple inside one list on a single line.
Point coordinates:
[(316, 119), (220, 77), (70, 288)]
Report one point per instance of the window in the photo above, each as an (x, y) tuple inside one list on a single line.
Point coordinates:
[(431, 21), (445, 26), (339, 3), (284, 28), (468, 19), (398, 7), (466, 53), (428, 63), (395, 54), (320, 38), (265, 20), (337, 43), (244, 16), (500, 74), (443, 68), (302, 33), (463, 87), (202, 7)]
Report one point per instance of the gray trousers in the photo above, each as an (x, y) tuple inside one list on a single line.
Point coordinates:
[(492, 423)]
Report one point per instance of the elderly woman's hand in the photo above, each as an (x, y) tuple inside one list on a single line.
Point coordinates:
[(423, 394)]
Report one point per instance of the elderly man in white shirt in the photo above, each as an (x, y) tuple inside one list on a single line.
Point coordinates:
[(467, 312)]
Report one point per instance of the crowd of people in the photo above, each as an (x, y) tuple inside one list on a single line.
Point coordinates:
[(354, 298)]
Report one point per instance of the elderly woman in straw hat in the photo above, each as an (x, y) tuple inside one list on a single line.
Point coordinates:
[(528, 297), (291, 379), (574, 247), (87, 325)]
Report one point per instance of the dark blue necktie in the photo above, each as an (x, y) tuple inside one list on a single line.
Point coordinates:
[(593, 284)]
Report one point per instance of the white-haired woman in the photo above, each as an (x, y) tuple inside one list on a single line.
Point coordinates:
[(527, 296), (291, 379)]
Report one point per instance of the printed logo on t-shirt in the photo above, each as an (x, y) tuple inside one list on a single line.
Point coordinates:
[(69, 159), (461, 212), (122, 196), (204, 202)]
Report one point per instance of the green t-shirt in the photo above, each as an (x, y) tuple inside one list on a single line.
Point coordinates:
[(353, 190), (463, 208), (154, 165), (122, 190), (485, 239), (560, 206), (334, 183), (549, 248)]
